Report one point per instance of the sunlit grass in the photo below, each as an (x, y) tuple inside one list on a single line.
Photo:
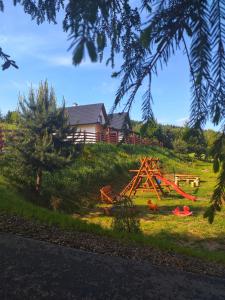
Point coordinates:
[(194, 233), (188, 235)]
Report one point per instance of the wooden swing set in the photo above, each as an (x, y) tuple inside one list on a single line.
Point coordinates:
[(145, 178), (148, 178)]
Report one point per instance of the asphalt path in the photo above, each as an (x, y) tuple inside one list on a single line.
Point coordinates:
[(31, 269)]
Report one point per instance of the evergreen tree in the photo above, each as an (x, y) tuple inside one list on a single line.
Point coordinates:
[(195, 141), (12, 117), (42, 143), (1, 117), (149, 128), (218, 197), (210, 137), (180, 146)]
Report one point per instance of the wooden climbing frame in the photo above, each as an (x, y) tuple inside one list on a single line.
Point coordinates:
[(145, 178)]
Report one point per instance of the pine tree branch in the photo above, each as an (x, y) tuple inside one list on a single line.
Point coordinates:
[(7, 61), (190, 66)]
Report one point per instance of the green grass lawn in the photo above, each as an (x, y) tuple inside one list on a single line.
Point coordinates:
[(12, 203), (191, 235), (188, 235)]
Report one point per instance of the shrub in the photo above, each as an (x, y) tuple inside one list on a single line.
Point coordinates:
[(125, 216)]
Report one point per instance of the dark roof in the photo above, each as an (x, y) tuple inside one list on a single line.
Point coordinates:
[(85, 114), (119, 120)]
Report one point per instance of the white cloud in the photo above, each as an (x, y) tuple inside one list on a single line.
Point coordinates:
[(66, 61), (43, 47), (35, 46), (182, 121), (178, 122), (57, 60), (163, 121), (23, 43), (22, 86)]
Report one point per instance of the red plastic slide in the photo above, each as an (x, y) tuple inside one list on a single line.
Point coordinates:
[(176, 188)]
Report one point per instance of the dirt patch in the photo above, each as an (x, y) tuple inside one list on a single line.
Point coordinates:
[(212, 245)]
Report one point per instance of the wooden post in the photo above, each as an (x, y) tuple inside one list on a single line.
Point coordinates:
[(117, 137), (197, 181), (108, 135), (73, 136), (84, 136), (134, 137)]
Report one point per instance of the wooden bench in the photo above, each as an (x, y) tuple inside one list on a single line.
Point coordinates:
[(193, 179)]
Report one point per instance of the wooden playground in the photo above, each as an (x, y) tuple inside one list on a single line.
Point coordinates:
[(148, 178)]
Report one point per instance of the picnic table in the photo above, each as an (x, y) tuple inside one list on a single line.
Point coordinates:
[(194, 180)]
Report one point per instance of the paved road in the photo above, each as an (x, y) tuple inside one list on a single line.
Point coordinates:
[(31, 269)]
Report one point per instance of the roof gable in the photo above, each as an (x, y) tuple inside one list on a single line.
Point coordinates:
[(119, 121), (85, 114)]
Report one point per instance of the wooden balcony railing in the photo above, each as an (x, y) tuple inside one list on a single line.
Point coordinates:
[(111, 137), (81, 137)]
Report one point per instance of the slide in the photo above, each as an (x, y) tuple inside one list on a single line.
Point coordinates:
[(176, 188)]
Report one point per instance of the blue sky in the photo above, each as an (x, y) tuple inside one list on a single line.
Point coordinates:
[(41, 53)]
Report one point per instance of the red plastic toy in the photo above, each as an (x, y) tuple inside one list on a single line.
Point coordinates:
[(152, 206), (184, 213)]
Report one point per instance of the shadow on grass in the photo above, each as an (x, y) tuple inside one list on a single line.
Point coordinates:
[(196, 191), (186, 242), (143, 211), (165, 210), (164, 239)]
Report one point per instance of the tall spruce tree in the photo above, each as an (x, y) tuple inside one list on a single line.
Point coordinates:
[(42, 143)]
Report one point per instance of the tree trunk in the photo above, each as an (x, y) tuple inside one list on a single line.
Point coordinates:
[(38, 180)]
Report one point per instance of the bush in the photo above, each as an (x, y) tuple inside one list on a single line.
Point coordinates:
[(125, 216), (180, 146)]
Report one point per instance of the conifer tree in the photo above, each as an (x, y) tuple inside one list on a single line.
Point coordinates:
[(1, 116), (42, 144)]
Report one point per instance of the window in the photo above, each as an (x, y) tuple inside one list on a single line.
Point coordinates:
[(100, 119)]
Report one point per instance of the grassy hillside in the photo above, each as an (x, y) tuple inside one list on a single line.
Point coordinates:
[(78, 185), (104, 164)]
